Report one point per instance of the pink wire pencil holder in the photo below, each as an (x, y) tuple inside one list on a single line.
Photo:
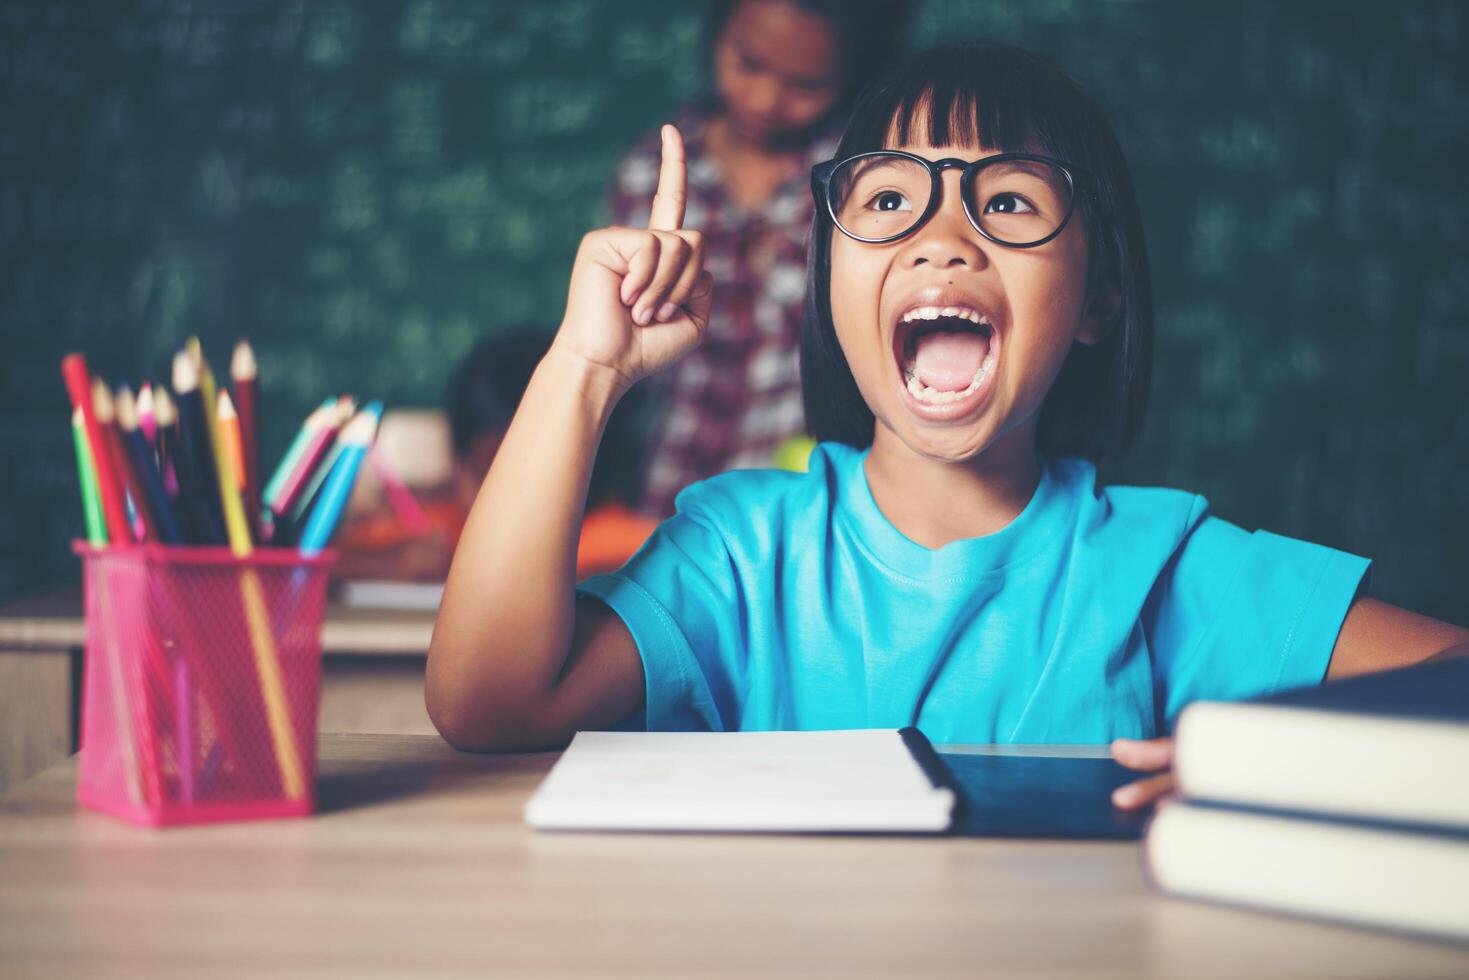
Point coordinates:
[(201, 682)]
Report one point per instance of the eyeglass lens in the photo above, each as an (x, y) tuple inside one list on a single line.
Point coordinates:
[(1015, 201)]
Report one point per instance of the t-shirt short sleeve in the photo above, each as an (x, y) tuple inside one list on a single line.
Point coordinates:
[(677, 596), (1237, 614)]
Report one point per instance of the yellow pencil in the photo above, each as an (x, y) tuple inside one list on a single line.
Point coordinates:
[(236, 529), (206, 391), (262, 642)]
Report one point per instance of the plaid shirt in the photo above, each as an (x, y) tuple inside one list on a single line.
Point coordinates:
[(733, 400)]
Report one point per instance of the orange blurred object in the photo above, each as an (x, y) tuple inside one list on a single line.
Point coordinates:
[(609, 536)]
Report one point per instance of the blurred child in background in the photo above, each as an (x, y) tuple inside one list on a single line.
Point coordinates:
[(380, 542)]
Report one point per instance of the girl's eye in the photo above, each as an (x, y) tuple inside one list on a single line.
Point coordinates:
[(889, 201), (1008, 204)]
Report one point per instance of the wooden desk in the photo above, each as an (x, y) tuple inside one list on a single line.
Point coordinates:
[(54, 622), (372, 676), (419, 865)]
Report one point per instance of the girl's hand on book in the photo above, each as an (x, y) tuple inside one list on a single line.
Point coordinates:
[(1146, 755), (639, 298)]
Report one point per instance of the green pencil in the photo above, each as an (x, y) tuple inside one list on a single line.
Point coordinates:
[(91, 503)]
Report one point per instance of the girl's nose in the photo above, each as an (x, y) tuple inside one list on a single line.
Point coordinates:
[(762, 97), (947, 239)]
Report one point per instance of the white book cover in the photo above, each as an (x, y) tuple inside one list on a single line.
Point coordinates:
[(1362, 874), (843, 781), (395, 596)]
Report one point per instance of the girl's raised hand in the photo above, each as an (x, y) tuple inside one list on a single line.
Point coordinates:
[(639, 298)]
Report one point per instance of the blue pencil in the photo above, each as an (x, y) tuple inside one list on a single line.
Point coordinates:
[(146, 468), (355, 440)]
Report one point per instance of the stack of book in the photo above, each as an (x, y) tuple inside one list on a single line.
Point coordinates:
[(1348, 801)]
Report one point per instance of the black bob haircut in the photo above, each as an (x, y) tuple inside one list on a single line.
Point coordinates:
[(1008, 100)]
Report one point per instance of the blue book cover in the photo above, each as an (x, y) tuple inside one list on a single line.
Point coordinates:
[(1431, 692)]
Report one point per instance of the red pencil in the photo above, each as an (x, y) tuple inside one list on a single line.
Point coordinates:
[(243, 372), (109, 485)]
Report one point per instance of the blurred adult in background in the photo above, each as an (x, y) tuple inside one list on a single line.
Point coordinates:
[(782, 77), (479, 401)]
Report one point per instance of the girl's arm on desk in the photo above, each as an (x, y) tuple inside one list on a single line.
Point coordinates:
[(516, 661), (1375, 636)]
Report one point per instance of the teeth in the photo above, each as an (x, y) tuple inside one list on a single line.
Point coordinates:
[(934, 312), (933, 396)]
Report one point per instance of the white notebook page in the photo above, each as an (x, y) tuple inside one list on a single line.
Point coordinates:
[(761, 781)]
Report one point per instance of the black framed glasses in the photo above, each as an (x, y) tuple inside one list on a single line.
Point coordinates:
[(1019, 200)]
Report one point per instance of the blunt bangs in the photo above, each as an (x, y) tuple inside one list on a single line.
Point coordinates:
[(994, 98)]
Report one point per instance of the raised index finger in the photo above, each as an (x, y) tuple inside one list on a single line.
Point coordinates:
[(668, 202)]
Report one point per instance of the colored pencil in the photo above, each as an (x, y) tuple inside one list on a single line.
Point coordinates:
[(400, 498), (208, 398), (272, 686), (151, 688), (166, 416), (145, 469), (293, 454), (146, 527), (357, 437), (87, 477), (257, 619), (147, 415), (194, 460), (316, 449), (308, 496), (262, 640), (206, 387), (243, 372), (149, 441), (109, 487), (236, 526), (230, 440), (194, 444)]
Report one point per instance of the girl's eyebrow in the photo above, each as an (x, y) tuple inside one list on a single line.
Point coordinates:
[(871, 164), (1032, 168)]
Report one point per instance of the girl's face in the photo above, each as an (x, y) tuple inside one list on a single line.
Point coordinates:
[(776, 69), (950, 396)]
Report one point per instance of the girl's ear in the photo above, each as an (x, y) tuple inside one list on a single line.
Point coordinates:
[(1100, 317)]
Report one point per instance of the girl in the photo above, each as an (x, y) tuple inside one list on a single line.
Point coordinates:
[(782, 77), (979, 334)]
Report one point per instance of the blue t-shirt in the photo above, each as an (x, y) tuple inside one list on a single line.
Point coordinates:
[(777, 600)]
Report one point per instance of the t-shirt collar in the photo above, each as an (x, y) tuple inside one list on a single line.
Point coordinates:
[(1036, 526)]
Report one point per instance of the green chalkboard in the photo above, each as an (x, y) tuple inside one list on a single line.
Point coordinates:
[(365, 188)]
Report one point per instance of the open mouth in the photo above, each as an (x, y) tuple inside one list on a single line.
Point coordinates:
[(945, 353)]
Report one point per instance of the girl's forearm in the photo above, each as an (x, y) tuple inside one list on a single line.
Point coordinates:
[(504, 628)]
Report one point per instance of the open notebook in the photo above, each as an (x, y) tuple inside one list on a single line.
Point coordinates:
[(849, 781)]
